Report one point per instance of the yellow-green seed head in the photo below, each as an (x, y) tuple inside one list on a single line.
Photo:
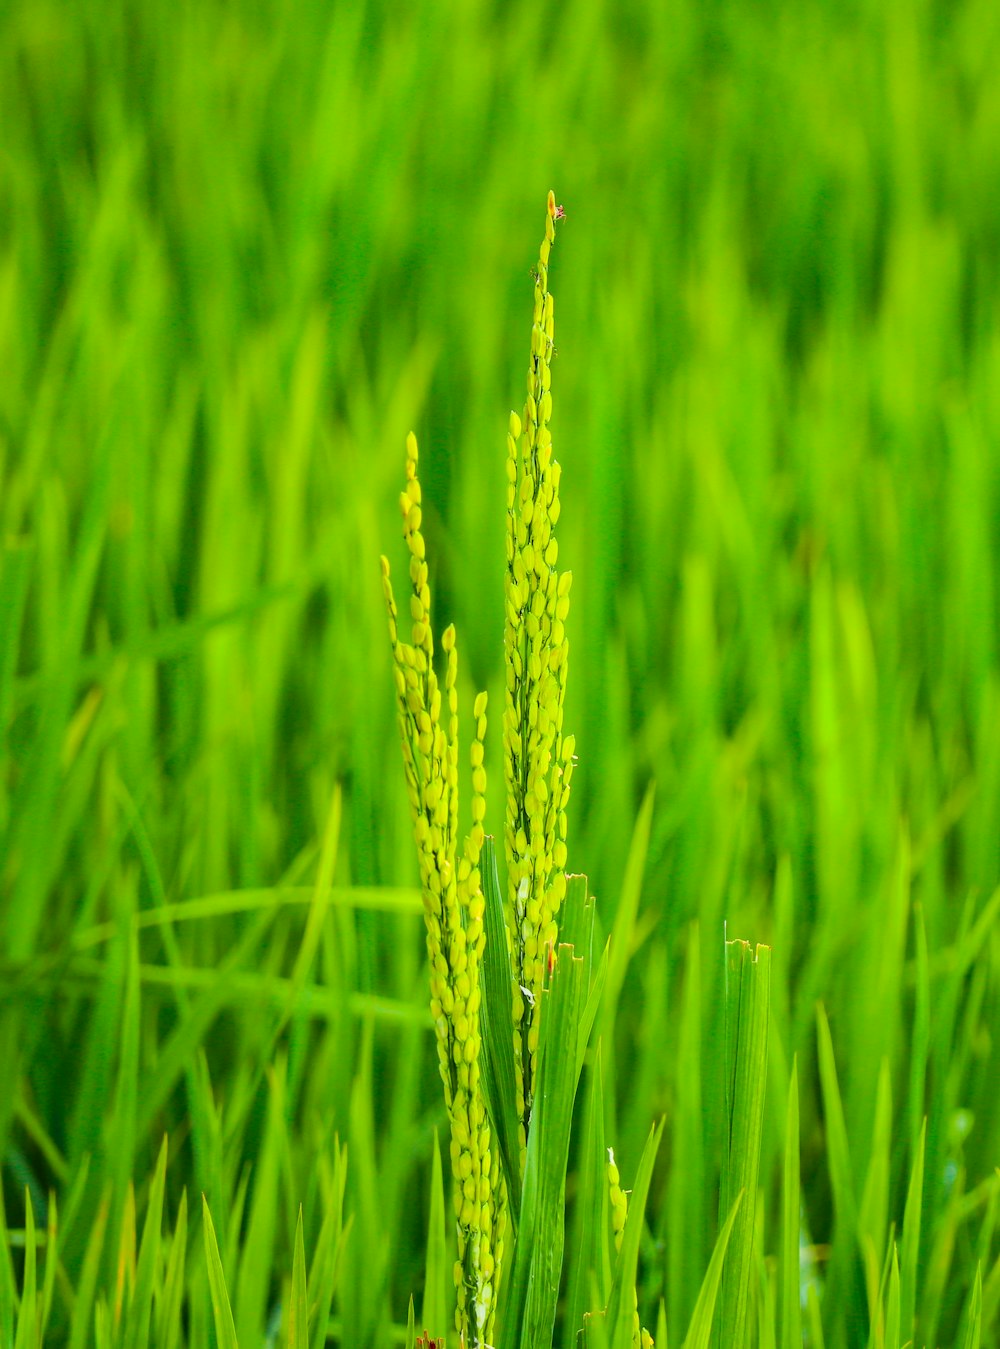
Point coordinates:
[(536, 609), (453, 902)]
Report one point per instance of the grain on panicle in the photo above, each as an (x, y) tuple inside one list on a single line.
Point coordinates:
[(618, 1200), (619, 1203), (453, 908), (537, 768)]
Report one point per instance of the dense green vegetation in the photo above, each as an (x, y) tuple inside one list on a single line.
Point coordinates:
[(243, 251)]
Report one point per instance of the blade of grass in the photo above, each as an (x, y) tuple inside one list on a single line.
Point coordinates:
[(222, 1313), (974, 1313), (920, 1042), (813, 1318), (591, 1006), (767, 1334), (746, 1010), (122, 1133), (170, 1301), (125, 1266), (27, 1322), (684, 1219), (298, 1318), (844, 1276), (700, 1329), (8, 1292), (325, 1271), (892, 1339), (81, 1323), (838, 1153), (628, 905), (791, 1291), (141, 1302), (252, 1284), (911, 1243), (874, 1209), (51, 1265), (589, 1285)]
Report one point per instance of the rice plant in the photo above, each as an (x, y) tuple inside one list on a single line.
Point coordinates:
[(513, 999), (270, 1075)]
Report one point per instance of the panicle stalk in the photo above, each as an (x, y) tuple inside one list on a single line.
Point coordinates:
[(453, 910), (538, 760)]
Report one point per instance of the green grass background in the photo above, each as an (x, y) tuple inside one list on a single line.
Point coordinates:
[(243, 250)]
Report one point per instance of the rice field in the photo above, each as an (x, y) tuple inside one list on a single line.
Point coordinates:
[(245, 251)]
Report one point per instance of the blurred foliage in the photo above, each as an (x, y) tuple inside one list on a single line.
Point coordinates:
[(243, 250)]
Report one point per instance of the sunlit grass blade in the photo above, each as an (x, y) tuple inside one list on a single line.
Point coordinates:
[(52, 1255), (589, 1284), (766, 1297), (590, 1008), (684, 1218), (141, 1302), (125, 1262), (147, 1268), (791, 1292), (875, 1292), (874, 1208), (257, 1251), (699, 1332), (920, 1042), (746, 1010), (974, 1313), (222, 1314), (910, 1245), (845, 1277), (814, 1320), (627, 908), (366, 1254), (27, 1321), (892, 1337), (577, 928), (122, 1126), (298, 1306), (8, 1293), (168, 1312), (328, 1257), (838, 1152), (81, 1324)]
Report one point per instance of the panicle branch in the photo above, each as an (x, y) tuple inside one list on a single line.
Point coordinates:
[(538, 761), (453, 906)]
